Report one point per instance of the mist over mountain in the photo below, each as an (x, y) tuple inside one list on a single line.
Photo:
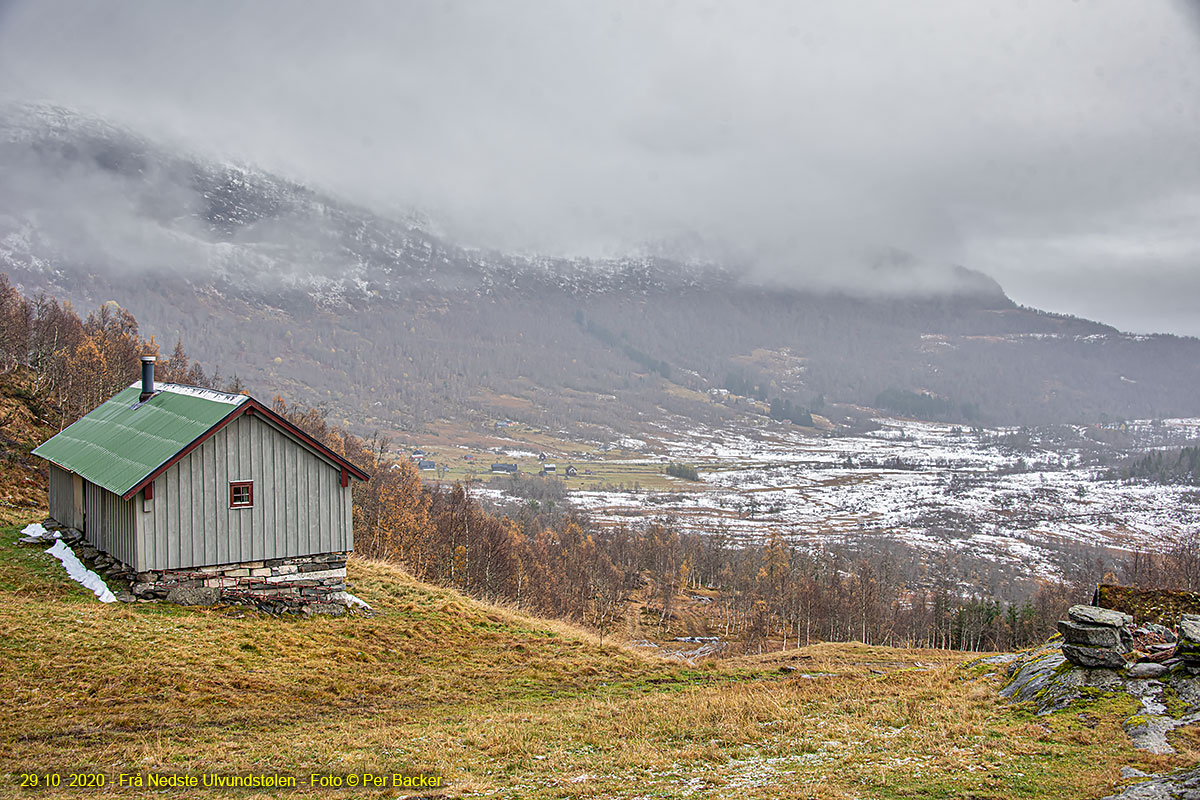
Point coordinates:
[(389, 321), (99, 193), (1051, 147)]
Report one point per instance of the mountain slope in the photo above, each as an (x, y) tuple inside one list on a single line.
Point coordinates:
[(295, 290)]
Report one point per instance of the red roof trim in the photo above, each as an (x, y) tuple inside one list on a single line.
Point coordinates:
[(250, 406), (253, 406)]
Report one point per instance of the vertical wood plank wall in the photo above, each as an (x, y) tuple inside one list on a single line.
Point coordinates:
[(300, 507), (110, 523), (62, 495)]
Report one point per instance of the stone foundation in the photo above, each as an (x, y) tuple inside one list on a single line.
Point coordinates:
[(313, 584), (278, 585)]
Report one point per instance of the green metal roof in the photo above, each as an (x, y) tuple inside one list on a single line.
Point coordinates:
[(121, 442)]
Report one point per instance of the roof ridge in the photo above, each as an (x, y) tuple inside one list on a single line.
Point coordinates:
[(196, 391)]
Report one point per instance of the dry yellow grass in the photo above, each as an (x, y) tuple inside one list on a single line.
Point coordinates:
[(25, 421), (504, 705)]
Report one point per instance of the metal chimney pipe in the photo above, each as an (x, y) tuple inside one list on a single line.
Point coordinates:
[(147, 378)]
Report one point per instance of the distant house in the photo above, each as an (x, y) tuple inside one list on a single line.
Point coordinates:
[(509, 468), (426, 466), (198, 489), (548, 469), (571, 471), (417, 455)]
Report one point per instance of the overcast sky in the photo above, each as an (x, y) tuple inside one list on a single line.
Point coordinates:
[(1053, 145)]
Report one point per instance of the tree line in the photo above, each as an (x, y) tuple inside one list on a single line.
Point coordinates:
[(79, 362), (1176, 566), (1179, 466), (923, 405)]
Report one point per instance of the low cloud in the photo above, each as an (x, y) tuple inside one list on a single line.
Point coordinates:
[(1046, 143)]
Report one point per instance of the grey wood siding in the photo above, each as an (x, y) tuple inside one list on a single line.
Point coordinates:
[(62, 495), (300, 506), (110, 523)]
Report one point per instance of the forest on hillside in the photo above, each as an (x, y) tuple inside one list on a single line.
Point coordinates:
[(79, 362), (604, 365), (1179, 465)]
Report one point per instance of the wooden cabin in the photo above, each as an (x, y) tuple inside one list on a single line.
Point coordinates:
[(197, 488)]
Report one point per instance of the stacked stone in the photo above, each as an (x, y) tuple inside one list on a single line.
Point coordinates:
[(1188, 645), (312, 584), (1096, 637), (298, 583)]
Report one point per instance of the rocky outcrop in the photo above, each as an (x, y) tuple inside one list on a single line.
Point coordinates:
[(1102, 650), (1096, 638), (1047, 679), (1167, 700), (1181, 785), (1187, 647)]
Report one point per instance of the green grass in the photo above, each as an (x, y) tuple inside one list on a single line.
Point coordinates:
[(505, 704)]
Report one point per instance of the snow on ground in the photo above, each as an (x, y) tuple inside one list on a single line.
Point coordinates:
[(485, 492), (1021, 497), (351, 601), (36, 530), (81, 574)]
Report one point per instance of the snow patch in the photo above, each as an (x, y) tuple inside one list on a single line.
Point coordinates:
[(81, 574), (38, 531), (351, 600), (196, 391)]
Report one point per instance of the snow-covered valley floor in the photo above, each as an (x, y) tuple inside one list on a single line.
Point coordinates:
[(1033, 500)]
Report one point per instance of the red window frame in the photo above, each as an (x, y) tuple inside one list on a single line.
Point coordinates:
[(249, 486)]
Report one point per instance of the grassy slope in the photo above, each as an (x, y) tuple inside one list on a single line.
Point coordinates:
[(497, 701), (24, 424)]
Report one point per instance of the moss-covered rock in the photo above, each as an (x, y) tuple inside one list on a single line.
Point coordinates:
[(1166, 786), (1047, 680), (1161, 606)]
